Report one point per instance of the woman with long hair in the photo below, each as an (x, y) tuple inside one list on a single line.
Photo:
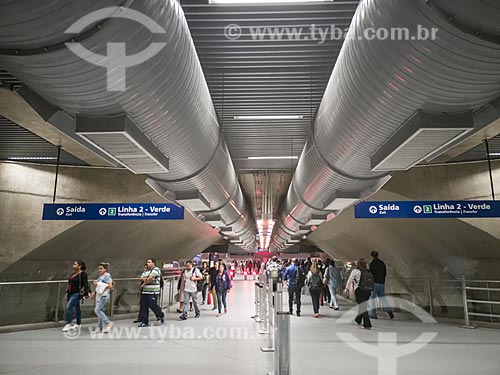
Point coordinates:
[(103, 286), (315, 282), (359, 280), (78, 289), (222, 285)]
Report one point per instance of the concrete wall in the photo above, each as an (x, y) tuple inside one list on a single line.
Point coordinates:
[(36, 249), (424, 247), (32, 249)]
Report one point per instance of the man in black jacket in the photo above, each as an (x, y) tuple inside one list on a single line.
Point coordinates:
[(379, 271)]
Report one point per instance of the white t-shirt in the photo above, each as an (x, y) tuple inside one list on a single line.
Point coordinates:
[(190, 286)]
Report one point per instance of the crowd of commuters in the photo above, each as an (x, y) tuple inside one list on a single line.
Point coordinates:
[(192, 281), (322, 281)]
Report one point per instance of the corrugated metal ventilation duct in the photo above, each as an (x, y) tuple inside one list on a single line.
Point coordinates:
[(377, 86), (167, 98)]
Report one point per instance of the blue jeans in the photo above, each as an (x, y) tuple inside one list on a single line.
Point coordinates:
[(194, 297), (73, 308), (333, 296), (378, 291), (221, 299), (102, 319)]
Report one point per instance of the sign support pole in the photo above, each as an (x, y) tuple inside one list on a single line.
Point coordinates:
[(489, 169), (57, 173)]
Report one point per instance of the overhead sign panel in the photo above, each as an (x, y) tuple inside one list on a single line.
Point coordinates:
[(426, 209), (113, 211)]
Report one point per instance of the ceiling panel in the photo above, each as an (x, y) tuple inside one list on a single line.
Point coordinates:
[(256, 74), (479, 152), (19, 144)]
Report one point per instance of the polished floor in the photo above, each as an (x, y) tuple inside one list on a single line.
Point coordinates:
[(230, 344)]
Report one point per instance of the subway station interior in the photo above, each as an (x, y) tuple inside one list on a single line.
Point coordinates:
[(270, 136)]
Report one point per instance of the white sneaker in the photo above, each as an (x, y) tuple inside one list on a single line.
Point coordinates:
[(68, 327), (108, 327), (75, 326)]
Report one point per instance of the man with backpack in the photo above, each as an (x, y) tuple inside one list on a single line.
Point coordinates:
[(296, 278), (192, 276), (151, 285), (379, 271), (361, 280)]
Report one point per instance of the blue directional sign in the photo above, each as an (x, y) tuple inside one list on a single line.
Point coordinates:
[(113, 211), (426, 209)]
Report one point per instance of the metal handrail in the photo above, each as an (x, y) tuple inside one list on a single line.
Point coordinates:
[(65, 281), (168, 292)]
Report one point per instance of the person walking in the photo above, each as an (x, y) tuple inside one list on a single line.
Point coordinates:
[(150, 290), (315, 283), (206, 282), (222, 286), (103, 286), (213, 273), (333, 282), (191, 277), (78, 290), (295, 278), (361, 280), (379, 271)]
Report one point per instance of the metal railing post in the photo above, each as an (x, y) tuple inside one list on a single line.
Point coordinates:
[(490, 305), (429, 295), (112, 302), (466, 303), (282, 352), (58, 302)]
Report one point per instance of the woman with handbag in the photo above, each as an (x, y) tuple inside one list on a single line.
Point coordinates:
[(78, 290), (103, 286)]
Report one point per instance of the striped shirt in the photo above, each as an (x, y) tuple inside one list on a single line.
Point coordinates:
[(153, 287)]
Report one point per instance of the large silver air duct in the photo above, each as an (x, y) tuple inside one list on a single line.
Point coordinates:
[(166, 103), (391, 102)]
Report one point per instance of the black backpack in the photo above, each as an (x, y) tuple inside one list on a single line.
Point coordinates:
[(199, 283), (316, 282), (366, 281), (300, 277), (160, 277)]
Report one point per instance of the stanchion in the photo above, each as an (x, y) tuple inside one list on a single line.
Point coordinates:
[(270, 318), (257, 303), (264, 316), (282, 353)]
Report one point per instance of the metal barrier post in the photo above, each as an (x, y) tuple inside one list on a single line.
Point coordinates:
[(282, 353), (270, 319), (429, 295), (58, 301), (263, 310), (257, 302), (466, 305)]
